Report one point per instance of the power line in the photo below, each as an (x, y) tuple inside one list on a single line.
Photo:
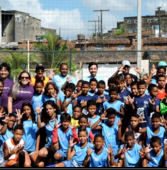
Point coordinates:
[(95, 26)]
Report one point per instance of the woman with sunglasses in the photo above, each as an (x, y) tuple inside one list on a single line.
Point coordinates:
[(21, 92)]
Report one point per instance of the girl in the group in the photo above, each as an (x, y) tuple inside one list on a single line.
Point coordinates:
[(50, 116), (31, 134)]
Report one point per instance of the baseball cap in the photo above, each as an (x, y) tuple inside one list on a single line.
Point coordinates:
[(126, 63), (162, 63), (40, 66)]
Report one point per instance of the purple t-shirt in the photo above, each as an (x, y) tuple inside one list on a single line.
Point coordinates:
[(3, 99), (24, 95), (8, 84)]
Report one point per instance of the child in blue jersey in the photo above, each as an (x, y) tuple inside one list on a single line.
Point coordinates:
[(51, 93), (142, 104), (31, 134), (84, 97), (62, 135), (37, 97), (100, 97), (114, 103), (92, 117), (100, 156), (128, 154), (156, 128), (110, 130), (50, 116), (83, 123), (93, 87), (153, 90), (76, 152), (153, 157), (67, 102)]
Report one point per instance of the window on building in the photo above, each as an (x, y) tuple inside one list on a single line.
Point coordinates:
[(130, 21), (130, 30), (135, 21), (135, 30), (150, 20), (98, 46), (31, 23), (156, 20), (37, 24), (121, 47), (17, 19)]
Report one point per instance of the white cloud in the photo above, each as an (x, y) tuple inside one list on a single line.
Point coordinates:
[(69, 21)]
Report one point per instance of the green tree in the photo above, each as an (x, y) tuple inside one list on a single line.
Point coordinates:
[(50, 58), (18, 61), (120, 31)]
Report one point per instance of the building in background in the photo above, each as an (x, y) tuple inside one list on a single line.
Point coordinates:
[(16, 26)]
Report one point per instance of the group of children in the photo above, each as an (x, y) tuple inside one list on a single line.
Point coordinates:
[(89, 125)]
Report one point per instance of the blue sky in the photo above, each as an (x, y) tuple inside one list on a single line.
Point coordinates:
[(72, 15)]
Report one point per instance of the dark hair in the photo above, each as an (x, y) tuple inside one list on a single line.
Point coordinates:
[(129, 134), (63, 64), (70, 86), (82, 130), (65, 116), (98, 136), (155, 139), (134, 83), (113, 89), (83, 116), (141, 82), (54, 86), (39, 81), (135, 115), (110, 111), (165, 86), (80, 81), (93, 79), (91, 64), (90, 103), (1, 81), (160, 76), (111, 80), (19, 126), (119, 78), (85, 82), (45, 117), (12, 115), (77, 106), (161, 67), (128, 74), (101, 82), (156, 115), (32, 111), (6, 66), (165, 115), (151, 86)]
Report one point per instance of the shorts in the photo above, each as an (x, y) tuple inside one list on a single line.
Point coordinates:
[(2, 162), (71, 163), (29, 152), (152, 165), (63, 154)]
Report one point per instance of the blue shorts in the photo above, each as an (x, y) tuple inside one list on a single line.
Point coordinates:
[(152, 165), (71, 163), (63, 154)]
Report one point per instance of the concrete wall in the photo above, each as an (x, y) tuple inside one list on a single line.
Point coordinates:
[(46, 30)]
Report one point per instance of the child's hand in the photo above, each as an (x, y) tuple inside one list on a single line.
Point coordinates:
[(89, 151), (103, 116), (137, 69), (165, 152), (72, 126), (89, 124), (110, 151), (121, 68), (118, 97), (73, 96), (20, 147), (125, 149), (163, 121), (6, 120), (147, 149), (71, 143), (125, 85), (152, 102), (99, 100), (84, 103), (141, 117), (119, 123), (51, 74), (131, 100), (153, 69), (104, 99), (56, 125), (19, 115), (142, 154), (2, 114), (126, 101), (55, 95), (68, 79), (38, 109)]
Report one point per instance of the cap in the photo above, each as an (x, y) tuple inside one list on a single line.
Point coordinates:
[(162, 63), (126, 63), (40, 66)]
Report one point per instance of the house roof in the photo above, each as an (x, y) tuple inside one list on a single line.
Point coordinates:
[(155, 40)]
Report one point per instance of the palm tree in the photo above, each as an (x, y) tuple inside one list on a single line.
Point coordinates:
[(50, 58), (18, 61)]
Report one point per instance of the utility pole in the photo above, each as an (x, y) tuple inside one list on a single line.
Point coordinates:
[(59, 32), (139, 36), (159, 22), (101, 11), (95, 26), (98, 26)]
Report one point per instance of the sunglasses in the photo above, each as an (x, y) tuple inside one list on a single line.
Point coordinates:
[(22, 78)]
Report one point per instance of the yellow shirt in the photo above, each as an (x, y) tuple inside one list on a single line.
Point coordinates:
[(73, 121)]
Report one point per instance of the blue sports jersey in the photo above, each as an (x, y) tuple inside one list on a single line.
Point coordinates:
[(36, 101), (98, 78), (106, 92), (111, 137), (132, 156), (153, 81), (99, 160), (30, 132), (84, 98), (70, 106), (91, 94), (46, 98), (123, 95), (60, 80), (155, 160), (94, 120), (157, 103), (99, 110), (142, 106), (150, 134)]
